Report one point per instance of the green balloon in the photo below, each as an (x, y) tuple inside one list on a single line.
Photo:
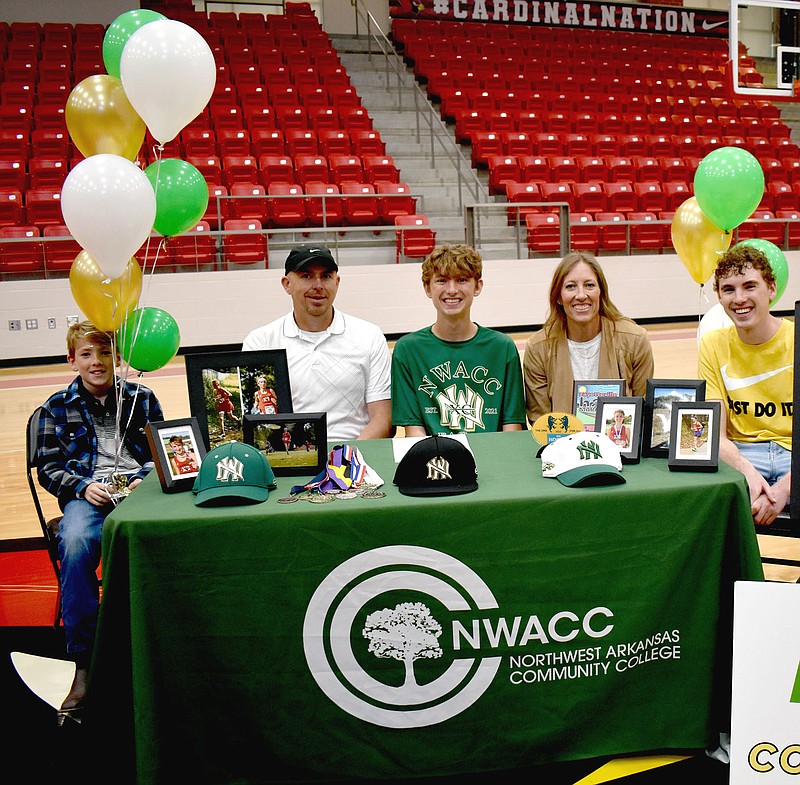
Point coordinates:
[(148, 339), (181, 195), (728, 186), (777, 261), (118, 33)]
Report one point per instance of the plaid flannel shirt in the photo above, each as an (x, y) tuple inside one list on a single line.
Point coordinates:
[(66, 444)]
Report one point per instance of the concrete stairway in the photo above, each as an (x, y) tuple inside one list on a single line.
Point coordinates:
[(419, 142)]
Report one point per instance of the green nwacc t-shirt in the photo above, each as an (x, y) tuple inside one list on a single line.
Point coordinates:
[(457, 387)]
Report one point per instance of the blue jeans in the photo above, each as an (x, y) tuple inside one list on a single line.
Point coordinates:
[(770, 459), (79, 540)]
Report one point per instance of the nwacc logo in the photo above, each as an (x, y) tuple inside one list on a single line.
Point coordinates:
[(408, 632)]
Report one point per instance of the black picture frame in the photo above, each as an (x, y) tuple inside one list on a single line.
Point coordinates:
[(585, 393), (629, 436), (694, 437), (236, 374), (161, 436), (307, 450), (660, 396)]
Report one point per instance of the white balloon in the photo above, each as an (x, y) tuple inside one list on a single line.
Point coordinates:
[(109, 207), (713, 319), (168, 74)]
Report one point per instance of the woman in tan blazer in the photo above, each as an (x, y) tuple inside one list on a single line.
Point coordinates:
[(584, 337)]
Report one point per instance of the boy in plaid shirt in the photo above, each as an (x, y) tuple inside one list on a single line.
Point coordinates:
[(82, 444)]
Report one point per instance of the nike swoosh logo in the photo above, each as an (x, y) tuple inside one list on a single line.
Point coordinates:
[(711, 25), (739, 384)]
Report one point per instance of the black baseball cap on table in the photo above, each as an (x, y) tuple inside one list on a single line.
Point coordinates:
[(304, 255), (437, 466)]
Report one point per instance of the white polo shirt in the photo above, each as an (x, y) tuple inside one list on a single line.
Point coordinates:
[(338, 371)]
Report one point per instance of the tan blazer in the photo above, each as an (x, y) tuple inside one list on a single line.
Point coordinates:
[(625, 353)]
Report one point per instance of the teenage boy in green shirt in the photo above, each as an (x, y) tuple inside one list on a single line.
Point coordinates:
[(456, 376)]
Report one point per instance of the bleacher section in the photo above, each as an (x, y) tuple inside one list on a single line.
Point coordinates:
[(284, 124), (613, 124)]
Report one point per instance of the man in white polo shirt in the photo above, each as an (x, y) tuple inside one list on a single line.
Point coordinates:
[(338, 363), (749, 367)]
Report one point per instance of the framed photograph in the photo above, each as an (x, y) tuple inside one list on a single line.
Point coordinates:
[(694, 437), (178, 450), (621, 420), (294, 444), (585, 393), (660, 396), (226, 386)]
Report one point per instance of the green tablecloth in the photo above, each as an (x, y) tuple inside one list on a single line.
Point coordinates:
[(400, 637)]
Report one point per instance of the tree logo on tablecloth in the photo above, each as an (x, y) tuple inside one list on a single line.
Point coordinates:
[(406, 632)]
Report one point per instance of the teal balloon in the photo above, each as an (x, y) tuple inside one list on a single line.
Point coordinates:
[(181, 195), (728, 186), (118, 33), (777, 261), (148, 339)]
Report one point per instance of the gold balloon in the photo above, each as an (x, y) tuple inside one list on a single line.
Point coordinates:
[(100, 119), (697, 241), (106, 302)]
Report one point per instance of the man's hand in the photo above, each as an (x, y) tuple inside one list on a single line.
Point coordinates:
[(769, 505)]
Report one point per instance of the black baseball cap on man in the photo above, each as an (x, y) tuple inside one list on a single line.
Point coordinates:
[(304, 255)]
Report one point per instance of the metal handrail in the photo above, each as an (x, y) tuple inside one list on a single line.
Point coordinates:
[(424, 113)]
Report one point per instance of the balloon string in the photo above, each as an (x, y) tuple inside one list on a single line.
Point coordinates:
[(157, 154)]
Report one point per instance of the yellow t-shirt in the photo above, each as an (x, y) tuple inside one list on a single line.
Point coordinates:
[(755, 383)]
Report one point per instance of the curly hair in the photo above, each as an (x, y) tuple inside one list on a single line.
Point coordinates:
[(737, 259), (452, 259)]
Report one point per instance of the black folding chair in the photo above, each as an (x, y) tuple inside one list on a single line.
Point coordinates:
[(49, 526)]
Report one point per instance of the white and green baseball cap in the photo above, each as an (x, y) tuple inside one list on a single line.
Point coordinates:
[(583, 459), (233, 473)]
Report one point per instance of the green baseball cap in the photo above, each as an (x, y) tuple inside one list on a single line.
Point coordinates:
[(233, 473)]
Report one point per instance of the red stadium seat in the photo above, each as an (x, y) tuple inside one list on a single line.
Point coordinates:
[(327, 206), (246, 243), (502, 169), (218, 210), (249, 203), (522, 192), (676, 193), (583, 234), (195, 247), (646, 233), (43, 206), (311, 168), (543, 233), (558, 192), (650, 197), (414, 238), (47, 172), (614, 232), (621, 197), (590, 197), (276, 169), (23, 256), (346, 169), (360, 204), (287, 205), (394, 199), (301, 141), (59, 254), (380, 167)]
